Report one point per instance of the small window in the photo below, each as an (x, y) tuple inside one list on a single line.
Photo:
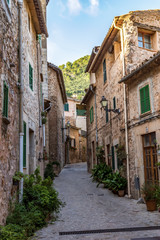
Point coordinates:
[(91, 115), (144, 40), (39, 38), (107, 115), (30, 77), (114, 103), (5, 100), (29, 23), (104, 71), (145, 99), (66, 107), (24, 144)]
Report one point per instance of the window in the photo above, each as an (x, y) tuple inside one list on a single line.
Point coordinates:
[(114, 103), (39, 38), (107, 115), (144, 40), (81, 112), (73, 143), (145, 99), (30, 77), (91, 115), (66, 107), (24, 144), (29, 23), (104, 71), (5, 100)]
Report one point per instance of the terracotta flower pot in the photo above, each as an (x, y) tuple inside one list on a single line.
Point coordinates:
[(151, 205), (121, 193)]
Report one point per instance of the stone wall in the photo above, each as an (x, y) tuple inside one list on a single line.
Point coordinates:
[(56, 119), (9, 130)]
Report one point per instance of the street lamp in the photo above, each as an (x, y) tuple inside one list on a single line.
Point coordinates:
[(104, 104)]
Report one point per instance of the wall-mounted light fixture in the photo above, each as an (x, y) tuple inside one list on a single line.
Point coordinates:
[(104, 104)]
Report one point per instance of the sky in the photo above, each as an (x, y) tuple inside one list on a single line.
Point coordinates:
[(76, 26)]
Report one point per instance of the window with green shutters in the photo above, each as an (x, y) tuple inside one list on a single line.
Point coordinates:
[(66, 107), (5, 100), (8, 1), (104, 71), (145, 99), (114, 103), (24, 144), (107, 115), (91, 115), (30, 77)]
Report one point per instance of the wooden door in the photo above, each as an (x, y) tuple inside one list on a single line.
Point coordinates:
[(150, 158)]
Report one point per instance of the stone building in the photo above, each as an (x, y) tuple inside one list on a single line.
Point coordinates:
[(131, 39), (55, 137), (143, 120), (75, 114), (21, 23)]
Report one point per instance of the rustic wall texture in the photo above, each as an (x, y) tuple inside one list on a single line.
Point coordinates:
[(112, 133)]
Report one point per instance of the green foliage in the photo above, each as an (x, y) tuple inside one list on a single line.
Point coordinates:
[(40, 199), (12, 232), (75, 78), (100, 153), (18, 176), (115, 182), (150, 191), (100, 172), (49, 172)]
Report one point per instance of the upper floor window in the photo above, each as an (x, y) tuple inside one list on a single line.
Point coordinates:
[(145, 40), (5, 100), (66, 107), (104, 71), (91, 115), (29, 23), (8, 1), (145, 99), (107, 114), (114, 103), (30, 77)]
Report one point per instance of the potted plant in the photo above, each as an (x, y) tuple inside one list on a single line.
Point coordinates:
[(149, 192)]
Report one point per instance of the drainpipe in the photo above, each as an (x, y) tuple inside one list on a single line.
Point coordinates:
[(43, 126), (21, 133), (125, 112)]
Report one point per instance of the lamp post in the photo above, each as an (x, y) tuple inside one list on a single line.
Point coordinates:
[(104, 104)]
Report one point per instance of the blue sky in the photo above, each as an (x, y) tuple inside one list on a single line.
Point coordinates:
[(76, 26)]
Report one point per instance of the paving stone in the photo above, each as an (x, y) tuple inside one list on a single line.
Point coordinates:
[(91, 208)]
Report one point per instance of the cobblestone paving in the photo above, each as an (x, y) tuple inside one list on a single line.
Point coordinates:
[(90, 208)]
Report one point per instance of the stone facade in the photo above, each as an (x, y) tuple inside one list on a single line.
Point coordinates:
[(77, 132), (9, 77), (56, 124), (121, 52)]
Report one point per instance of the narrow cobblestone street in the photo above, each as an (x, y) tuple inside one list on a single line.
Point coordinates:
[(90, 208)]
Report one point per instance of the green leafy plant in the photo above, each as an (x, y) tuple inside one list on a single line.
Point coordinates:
[(100, 153), (100, 172), (18, 176), (40, 199), (149, 191), (49, 171)]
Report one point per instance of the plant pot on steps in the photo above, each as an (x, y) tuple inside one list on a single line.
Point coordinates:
[(121, 193), (151, 205)]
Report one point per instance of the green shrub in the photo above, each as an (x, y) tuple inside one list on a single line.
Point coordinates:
[(12, 232), (100, 172), (49, 172), (40, 199)]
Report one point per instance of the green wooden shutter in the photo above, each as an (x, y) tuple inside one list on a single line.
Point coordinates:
[(66, 107), (24, 145), (8, 1), (30, 77), (92, 115), (113, 161), (5, 100), (107, 115), (114, 103), (104, 71), (145, 99)]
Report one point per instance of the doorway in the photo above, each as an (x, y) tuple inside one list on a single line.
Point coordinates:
[(150, 158), (31, 151)]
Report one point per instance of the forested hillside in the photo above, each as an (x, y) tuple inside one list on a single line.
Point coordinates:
[(74, 77)]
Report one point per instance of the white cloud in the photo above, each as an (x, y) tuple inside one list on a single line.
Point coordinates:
[(94, 6), (74, 6)]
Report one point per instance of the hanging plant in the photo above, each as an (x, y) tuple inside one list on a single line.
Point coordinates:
[(44, 120)]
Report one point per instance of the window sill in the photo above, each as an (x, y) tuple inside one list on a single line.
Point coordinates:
[(150, 50), (145, 114), (5, 120)]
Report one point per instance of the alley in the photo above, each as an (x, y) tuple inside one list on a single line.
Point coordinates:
[(90, 208)]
